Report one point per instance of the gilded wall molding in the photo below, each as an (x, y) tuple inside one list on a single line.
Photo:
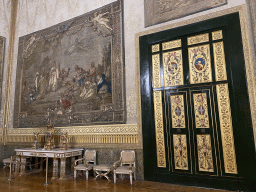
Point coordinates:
[(249, 63)]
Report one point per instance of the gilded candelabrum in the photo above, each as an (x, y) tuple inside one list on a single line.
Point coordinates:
[(49, 137), (35, 141), (64, 138)]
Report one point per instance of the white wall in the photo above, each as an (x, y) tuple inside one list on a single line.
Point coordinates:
[(34, 15)]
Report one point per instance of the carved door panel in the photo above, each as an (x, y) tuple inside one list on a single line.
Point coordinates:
[(189, 104)]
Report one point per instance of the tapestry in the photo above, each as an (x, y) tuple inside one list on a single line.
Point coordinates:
[(72, 74), (2, 47), (158, 11)]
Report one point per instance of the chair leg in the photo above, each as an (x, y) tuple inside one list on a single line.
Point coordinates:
[(86, 172), (131, 178), (74, 174), (115, 178)]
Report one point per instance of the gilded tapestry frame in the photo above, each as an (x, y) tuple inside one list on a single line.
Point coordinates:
[(158, 11), (2, 54)]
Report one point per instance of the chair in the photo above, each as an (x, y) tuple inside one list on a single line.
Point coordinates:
[(127, 165), (7, 162), (88, 161)]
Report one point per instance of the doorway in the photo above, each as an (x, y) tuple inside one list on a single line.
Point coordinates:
[(196, 120)]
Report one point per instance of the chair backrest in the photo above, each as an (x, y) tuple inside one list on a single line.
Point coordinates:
[(128, 157), (90, 156)]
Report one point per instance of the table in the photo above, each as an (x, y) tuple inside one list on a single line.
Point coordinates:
[(56, 154), (102, 170)]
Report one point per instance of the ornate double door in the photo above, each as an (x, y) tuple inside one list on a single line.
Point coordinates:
[(195, 107)]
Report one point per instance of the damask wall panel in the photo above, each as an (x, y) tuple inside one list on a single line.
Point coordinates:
[(219, 61), (204, 150), (178, 113), (180, 151), (173, 68), (201, 110), (200, 64), (226, 128), (61, 80), (159, 129)]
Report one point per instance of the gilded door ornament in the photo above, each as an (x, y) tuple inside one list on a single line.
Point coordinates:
[(159, 129), (200, 64), (198, 39), (219, 61), (156, 71), (226, 128), (201, 110), (204, 149), (171, 44), (178, 114), (216, 35), (180, 151), (173, 68), (155, 48)]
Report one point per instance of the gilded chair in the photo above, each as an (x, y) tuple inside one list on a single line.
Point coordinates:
[(126, 165), (8, 161), (88, 161)]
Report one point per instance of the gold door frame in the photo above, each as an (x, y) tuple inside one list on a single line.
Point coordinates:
[(249, 60)]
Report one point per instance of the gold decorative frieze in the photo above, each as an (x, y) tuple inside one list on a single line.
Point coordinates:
[(159, 129), (156, 71), (219, 61), (226, 129), (178, 114), (216, 35), (155, 48), (173, 68), (201, 110), (171, 44), (180, 151), (198, 39), (200, 64), (97, 129), (204, 149), (80, 139)]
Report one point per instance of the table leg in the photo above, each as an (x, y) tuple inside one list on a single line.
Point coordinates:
[(55, 168), (17, 166), (41, 163), (22, 165), (62, 168), (36, 162), (72, 165)]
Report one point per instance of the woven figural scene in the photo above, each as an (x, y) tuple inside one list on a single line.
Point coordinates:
[(71, 74)]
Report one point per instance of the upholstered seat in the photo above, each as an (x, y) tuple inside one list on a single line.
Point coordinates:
[(7, 162), (87, 162), (127, 165)]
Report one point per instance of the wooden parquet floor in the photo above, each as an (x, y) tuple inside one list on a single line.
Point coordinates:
[(32, 182)]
